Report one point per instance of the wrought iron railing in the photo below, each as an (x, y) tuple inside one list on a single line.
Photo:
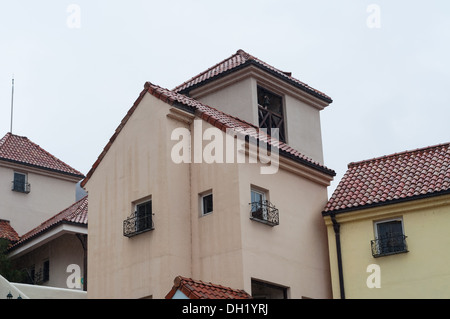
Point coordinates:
[(389, 246), (137, 224), (20, 187), (265, 212)]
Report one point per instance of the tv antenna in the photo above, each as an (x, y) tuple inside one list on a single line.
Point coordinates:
[(12, 103)]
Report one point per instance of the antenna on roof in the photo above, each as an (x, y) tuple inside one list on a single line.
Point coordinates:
[(12, 103)]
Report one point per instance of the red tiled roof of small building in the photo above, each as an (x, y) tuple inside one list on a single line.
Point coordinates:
[(402, 176), (75, 214), (7, 231), (19, 149), (197, 289), (239, 60)]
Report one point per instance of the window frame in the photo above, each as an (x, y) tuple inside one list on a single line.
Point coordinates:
[(282, 134), (131, 224), (202, 203), (265, 197), (271, 287), (46, 270), (147, 215), (266, 212), (383, 221), (24, 187), (383, 250)]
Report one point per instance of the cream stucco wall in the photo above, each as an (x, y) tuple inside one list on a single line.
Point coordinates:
[(294, 253), (50, 194), (422, 272), (61, 252), (216, 237), (238, 98), (303, 128), (137, 166), (224, 247), (236, 94)]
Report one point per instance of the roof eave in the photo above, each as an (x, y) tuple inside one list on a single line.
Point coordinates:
[(78, 176), (54, 231), (385, 203), (250, 62)]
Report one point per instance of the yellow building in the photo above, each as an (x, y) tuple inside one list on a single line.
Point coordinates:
[(388, 227)]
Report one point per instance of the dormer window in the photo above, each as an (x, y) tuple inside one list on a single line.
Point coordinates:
[(270, 112), (20, 183)]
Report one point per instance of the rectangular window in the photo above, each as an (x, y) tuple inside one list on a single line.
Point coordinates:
[(141, 218), (20, 183), (46, 271), (389, 238), (258, 199), (261, 209), (206, 203), (31, 272), (144, 216), (270, 112), (264, 290)]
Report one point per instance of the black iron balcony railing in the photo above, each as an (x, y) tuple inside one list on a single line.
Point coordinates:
[(137, 224), (389, 246), (20, 187), (265, 212)]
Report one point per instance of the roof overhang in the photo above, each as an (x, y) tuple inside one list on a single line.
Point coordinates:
[(263, 76), (384, 210), (48, 235), (40, 170)]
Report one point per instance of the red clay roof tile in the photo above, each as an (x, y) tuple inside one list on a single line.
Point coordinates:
[(76, 213), (241, 59), (400, 176), (197, 289), (19, 149), (7, 231)]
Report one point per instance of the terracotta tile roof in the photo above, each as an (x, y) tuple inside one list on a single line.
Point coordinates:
[(76, 214), (240, 60), (7, 232), (402, 176), (197, 289), (216, 118), (19, 149)]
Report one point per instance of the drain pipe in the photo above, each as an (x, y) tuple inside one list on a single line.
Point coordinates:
[(337, 233)]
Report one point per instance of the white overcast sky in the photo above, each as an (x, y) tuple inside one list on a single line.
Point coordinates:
[(390, 85)]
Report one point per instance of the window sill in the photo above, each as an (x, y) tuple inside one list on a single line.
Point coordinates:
[(390, 253), (132, 234), (21, 191), (263, 221)]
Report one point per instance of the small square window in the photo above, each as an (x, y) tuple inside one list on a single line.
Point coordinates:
[(207, 203)]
